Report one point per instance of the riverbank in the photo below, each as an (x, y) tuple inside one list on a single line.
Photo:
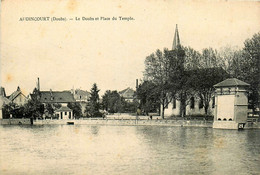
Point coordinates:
[(15, 121), (123, 122), (128, 122)]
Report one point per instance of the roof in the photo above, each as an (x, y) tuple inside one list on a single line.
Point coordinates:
[(231, 82), (55, 96), (63, 109), (127, 93), (15, 94), (81, 94)]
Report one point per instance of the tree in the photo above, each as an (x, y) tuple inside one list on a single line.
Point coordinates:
[(56, 106), (148, 96), (233, 66), (157, 68), (8, 109), (225, 57), (93, 105), (245, 64), (49, 108), (76, 107), (203, 82), (192, 58), (207, 70), (112, 102), (180, 78), (34, 108), (209, 58), (250, 68), (166, 70), (129, 106)]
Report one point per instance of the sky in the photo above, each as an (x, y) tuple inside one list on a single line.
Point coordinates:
[(75, 54)]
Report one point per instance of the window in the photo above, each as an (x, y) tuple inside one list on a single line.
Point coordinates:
[(213, 102), (166, 107), (201, 104), (192, 101), (225, 119), (230, 119), (65, 113), (174, 103), (219, 118)]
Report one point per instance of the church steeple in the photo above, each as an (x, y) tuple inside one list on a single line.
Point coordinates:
[(176, 40)]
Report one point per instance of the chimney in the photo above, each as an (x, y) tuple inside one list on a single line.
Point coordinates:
[(38, 84)]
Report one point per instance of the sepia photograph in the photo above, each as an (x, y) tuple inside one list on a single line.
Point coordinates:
[(119, 87)]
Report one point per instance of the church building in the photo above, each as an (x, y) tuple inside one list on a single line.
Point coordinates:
[(195, 104)]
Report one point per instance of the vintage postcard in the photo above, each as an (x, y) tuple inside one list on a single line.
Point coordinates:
[(129, 87)]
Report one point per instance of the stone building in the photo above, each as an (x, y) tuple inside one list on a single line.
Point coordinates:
[(231, 104)]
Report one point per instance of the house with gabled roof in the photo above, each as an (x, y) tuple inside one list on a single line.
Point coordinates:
[(81, 95), (18, 97), (128, 94), (55, 98), (64, 112)]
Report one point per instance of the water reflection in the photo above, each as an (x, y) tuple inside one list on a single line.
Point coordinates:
[(82, 149), (94, 130)]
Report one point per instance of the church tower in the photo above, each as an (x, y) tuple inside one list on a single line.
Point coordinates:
[(176, 40)]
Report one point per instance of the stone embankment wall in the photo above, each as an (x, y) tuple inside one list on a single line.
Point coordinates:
[(25, 121), (252, 125), (122, 122), (129, 122)]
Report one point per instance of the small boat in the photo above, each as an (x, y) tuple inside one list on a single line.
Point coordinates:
[(70, 123)]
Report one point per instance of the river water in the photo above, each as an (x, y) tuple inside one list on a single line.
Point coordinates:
[(84, 149)]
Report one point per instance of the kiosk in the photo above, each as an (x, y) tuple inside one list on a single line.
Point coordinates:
[(231, 104)]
